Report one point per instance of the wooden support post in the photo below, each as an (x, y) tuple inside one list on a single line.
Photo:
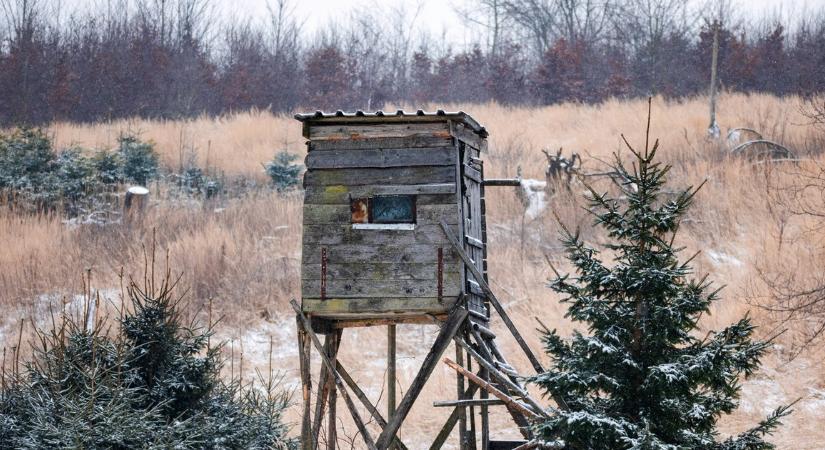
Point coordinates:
[(360, 395), (485, 419), (350, 405), (454, 417), (442, 341), (335, 342), (307, 438), (468, 263), (391, 379), (462, 412), (471, 416), (324, 383), (487, 350)]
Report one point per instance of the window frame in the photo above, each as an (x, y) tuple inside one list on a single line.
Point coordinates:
[(356, 207), (413, 212)]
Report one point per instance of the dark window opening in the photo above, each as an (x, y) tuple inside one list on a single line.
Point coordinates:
[(385, 209)]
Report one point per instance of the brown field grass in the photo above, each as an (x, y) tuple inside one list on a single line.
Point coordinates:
[(244, 253)]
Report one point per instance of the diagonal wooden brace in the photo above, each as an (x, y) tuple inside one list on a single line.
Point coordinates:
[(503, 379), (360, 395), (509, 401), (448, 331), (492, 297), (499, 309), (338, 382)]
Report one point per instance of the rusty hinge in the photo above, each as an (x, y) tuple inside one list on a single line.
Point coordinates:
[(440, 274), (323, 273)]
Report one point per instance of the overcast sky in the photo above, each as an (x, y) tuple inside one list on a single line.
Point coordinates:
[(438, 15)]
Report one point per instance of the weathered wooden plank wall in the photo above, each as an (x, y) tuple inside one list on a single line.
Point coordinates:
[(368, 131), (399, 267), (380, 158), (366, 176)]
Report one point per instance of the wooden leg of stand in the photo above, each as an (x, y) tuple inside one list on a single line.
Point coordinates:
[(307, 438), (391, 378), (324, 382), (462, 412), (356, 417), (442, 341), (471, 416), (331, 422)]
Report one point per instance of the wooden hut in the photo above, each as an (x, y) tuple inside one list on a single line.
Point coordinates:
[(377, 188), (395, 232)]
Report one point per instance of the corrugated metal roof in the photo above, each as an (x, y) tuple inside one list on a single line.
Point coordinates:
[(397, 116)]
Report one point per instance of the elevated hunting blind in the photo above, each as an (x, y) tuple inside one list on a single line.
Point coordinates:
[(377, 188), (394, 232)]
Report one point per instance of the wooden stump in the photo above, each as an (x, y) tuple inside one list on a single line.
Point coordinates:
[(134, 203)]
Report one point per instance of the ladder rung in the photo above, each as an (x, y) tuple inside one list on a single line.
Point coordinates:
[(506, 369), (469, 402), (486, 332)]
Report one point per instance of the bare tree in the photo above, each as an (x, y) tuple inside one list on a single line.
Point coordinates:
[(576, 21), (646, 23), (402, 23), (796, 293), (284, 27), (491, 16), (814, 110)]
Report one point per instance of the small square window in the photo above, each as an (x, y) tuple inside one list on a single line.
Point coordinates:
[(383, 209), (392, 209)]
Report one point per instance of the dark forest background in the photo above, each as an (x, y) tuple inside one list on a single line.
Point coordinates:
[(179, 58)]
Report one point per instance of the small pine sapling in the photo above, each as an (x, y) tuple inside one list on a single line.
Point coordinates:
[(27, 163), (140, 161), (641, 376), (282, 172), (109, 166), (76, 178)]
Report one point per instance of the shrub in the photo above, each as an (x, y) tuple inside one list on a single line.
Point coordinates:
[(154, 383), (109, 166), (140, 161), (282, 172), (195, 181), (27, 162), (75, 176)]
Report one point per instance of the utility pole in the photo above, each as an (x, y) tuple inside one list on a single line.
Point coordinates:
[(713, 128)]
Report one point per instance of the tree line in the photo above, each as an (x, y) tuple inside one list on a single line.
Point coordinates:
[(179, 58)]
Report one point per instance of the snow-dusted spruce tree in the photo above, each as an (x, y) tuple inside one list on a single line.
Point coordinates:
[(641, 375), (151, 381)]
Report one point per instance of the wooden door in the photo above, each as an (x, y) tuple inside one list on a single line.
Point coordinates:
[(472, 212)]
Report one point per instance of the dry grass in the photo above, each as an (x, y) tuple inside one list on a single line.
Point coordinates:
[(246, 256)]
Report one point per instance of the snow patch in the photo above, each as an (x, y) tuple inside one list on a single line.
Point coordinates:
[(281, 335), (534, 196), (138, 190), (816, 403), (720, 259), (762, 396)]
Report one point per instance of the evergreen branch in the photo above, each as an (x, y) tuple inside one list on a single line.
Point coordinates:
[(753, 439)]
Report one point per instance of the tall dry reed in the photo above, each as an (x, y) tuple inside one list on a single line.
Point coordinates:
[(244, 255)]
